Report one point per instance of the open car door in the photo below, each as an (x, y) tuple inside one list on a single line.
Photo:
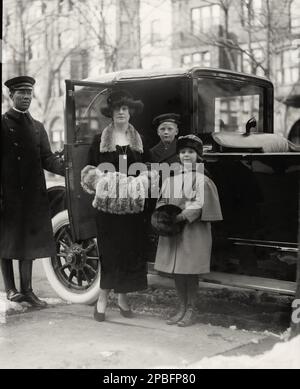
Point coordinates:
[(83, 121)]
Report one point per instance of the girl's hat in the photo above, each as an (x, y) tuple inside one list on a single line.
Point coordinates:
[(191, 141), (119, 97), (163, 220)]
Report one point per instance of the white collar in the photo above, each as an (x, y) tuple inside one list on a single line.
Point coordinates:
[(19, 110)]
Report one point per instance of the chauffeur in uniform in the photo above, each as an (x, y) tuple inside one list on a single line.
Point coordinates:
[(25, 222), (167, 130)]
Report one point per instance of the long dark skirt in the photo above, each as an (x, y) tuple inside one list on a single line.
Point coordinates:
[(120, 241)]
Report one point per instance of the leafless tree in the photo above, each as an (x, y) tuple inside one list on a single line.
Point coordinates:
[(264, 29), (32, 33), (99, 19)]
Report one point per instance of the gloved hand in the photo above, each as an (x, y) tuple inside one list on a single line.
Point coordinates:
[(179, 218)]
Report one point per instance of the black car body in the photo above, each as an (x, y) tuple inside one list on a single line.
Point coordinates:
[(256, 244)]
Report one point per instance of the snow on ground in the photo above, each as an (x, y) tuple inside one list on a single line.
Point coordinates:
[(7, 306), (284, 355)]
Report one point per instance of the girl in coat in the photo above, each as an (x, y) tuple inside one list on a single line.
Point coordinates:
[(187, 254)]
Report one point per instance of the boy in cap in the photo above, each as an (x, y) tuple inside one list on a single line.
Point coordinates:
[(167, 130), (187, 254), (25, 221)]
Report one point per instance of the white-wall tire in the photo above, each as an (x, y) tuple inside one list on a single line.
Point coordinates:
[(87, 296)]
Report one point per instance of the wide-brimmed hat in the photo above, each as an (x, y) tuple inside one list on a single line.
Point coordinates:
[(191, 141), (166, 117), (163, 220), (119, 97), (20, 82)]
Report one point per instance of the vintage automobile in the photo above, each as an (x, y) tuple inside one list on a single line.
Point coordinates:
[(256, 173)]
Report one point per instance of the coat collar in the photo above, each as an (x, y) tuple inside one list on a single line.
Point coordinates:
[(164, 153), (108, 144), (17, 110), (16, 114)]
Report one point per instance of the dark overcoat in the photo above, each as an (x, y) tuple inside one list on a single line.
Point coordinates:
[(25, 221), (121, 238), (159, 153)]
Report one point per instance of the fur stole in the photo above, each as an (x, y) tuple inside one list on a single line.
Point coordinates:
[(108, 144)]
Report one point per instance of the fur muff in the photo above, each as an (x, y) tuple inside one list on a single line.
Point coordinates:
[(118, 193), (90, 176)]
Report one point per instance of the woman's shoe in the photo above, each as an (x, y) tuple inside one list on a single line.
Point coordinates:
[(178, 316), (126, 313), (188, 319), (98, 316), (15, 296)]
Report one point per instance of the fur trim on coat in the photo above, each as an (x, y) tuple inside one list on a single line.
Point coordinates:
[(108, 144)]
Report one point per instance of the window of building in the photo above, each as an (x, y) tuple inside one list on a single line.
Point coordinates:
[(7, 21), (59, 40), (198, 58), (29, 51), (57, 134), (36, 48), (71, 5), (57, 89), (79, 65), (43, 7), (60, 5), (155, 35), (251, 11), (125, 33), (204, 18), (295, 16), (287, 66)]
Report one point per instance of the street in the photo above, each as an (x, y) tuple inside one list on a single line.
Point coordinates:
[(66, 335)]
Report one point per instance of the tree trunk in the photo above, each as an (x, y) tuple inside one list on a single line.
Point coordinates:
[(269, 39)]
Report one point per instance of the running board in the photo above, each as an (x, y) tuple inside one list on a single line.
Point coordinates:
[(250, 282), (244, 282)]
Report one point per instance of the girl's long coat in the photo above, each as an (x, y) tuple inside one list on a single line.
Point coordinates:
[(25, 221), (189, 252)]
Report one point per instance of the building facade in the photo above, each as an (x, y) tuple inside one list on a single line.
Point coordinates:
[(253, 36), (67, 39)]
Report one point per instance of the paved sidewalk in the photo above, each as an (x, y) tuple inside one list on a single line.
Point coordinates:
[(230, 323), (67, 336)]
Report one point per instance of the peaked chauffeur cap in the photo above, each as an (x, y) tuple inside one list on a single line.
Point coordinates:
[(166, 117), (21, 82)]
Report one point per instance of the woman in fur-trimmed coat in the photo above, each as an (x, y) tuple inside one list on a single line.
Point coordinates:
[(120, 237)]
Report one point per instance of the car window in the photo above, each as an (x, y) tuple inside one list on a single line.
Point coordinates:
[(88, 117), (158, 96), (228, 105)]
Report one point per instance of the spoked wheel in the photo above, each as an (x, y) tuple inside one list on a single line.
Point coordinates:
[(74, 273)]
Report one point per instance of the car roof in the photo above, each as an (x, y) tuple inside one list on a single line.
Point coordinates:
[(139, 74)]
